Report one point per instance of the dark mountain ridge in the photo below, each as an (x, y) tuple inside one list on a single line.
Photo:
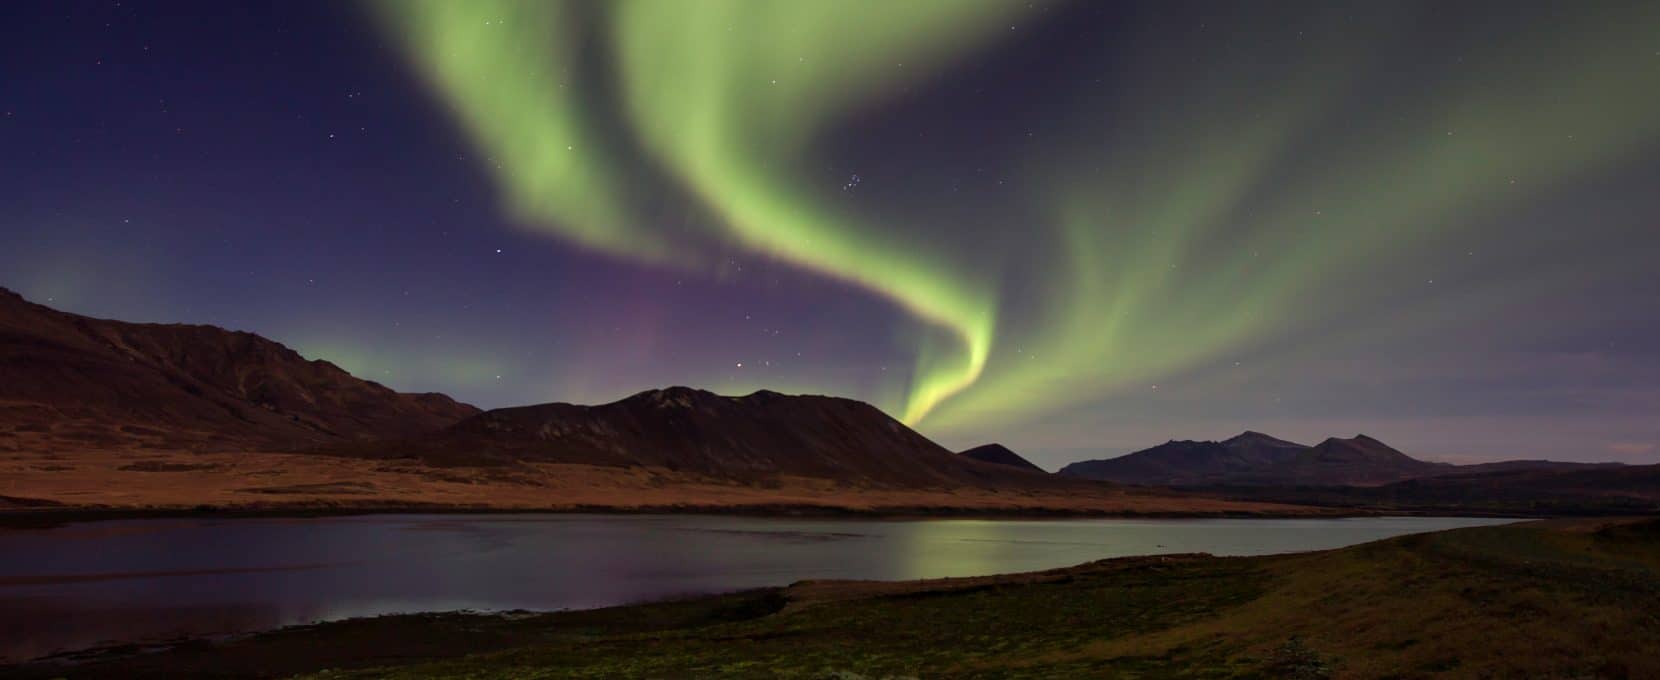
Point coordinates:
[(1256, 459), (1000, 455), (749, 438), (71, 381)]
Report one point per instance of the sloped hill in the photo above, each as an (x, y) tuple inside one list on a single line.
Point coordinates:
[(1000, 455), (1256, 458), (73, 382), (1359, 461), (1177, 463), (748, 438)]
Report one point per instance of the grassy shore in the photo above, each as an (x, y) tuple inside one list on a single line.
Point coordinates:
[(42, 488), (49, 518), (1563, 599)]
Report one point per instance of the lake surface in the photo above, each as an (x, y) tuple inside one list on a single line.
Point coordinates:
[(84, 584)]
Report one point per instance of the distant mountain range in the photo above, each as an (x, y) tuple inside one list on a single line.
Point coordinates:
[(74, 382), (1001, 455), (1257, 459)]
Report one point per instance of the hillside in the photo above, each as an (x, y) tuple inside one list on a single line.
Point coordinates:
[(1000, 455), (1191, 462), (749, 438), (1256, 459), (70, 382), (1358, 461)]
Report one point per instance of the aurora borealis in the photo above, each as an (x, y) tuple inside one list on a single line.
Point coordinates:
[(1075, 227), (721, 94)]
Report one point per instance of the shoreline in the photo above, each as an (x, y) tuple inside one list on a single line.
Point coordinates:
[(1276, 585), (48, 517), (36, 488), (838, 589)]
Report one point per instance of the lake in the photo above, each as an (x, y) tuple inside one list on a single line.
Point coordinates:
[(89, 583)]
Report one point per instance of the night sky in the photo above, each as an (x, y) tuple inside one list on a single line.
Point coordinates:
[(1078, 229)]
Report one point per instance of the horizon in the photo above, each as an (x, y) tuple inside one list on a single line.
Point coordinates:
[(1038, 457), (1077, 229)]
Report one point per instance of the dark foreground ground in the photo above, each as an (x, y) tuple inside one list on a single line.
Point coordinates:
[(1563, 599)]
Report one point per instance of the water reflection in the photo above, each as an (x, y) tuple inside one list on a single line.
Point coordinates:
[(85, 584)]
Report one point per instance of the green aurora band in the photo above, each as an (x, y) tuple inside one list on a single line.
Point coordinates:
[(722, 95), (1148, 285)]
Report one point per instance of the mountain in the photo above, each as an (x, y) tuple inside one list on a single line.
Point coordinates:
[(1179, 463), (1171, 463), (1360, 461), (752, 438), (1000, 455), (1255, 448), (1257, 458), (74, 382)]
